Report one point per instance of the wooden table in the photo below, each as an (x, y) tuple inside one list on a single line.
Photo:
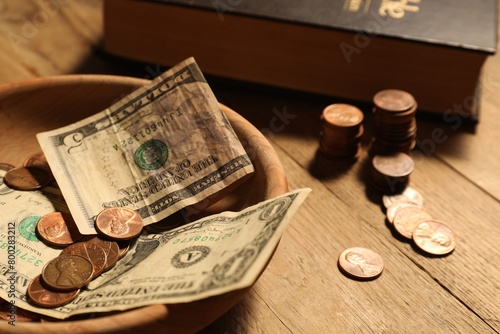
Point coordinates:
[(302, 290)]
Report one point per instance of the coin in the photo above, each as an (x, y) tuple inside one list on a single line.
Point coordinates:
[(434, 237), (38, 160), (119, 223), (395, 122), (342, 115), (26, 178), (409, 195), (43, 297), (390, 173), (407, 219), (341, 133), (6, 167), (10, 312), (394, 165), (67, 272), (391, 210), (111, 249), (361, 263), (394, 100), (58, 229), (92, 252)]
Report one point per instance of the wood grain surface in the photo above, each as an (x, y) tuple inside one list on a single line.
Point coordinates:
[(302, 290)]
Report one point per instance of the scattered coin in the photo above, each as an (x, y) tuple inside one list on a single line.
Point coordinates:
[(392, 209), (390, 172), (43, 297), (67, 272), (92, 252), (408, 195), (38, 160), (6, 167), (361, 263), (434, 237), (119, 223), (408, 218), (394, 165), (58, 229), (26, 178)]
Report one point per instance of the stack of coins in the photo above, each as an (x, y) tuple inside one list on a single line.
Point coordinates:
[(395, 123), (390, 173), (406, 214), (341, 133)]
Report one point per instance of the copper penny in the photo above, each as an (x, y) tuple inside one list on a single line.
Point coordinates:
[(119, 223), (38, 160), (391, 210), (394, 100), (407, 219), (43, 297), (434, 237), (6, 167), (409, 195), (342, 115), (58, 229), (92, 252), (111, 249), (9, 312), (361, 263), (394, 165), (67, 272), (26, 178)]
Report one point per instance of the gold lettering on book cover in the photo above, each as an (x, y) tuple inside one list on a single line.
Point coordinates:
[(398, 8), (355, 5)]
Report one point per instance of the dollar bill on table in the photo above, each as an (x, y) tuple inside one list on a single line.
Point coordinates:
[(211, 256), (166, 146)]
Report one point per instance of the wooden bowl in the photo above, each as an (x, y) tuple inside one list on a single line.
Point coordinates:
[(37, 105)]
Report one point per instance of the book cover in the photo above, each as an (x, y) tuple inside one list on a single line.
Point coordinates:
[(457, 23), (348, 49)]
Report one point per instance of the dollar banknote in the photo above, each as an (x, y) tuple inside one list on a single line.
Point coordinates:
[(207, 257), (165, 146), (22, 254)]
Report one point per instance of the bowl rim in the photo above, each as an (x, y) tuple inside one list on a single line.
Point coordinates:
[(64, 79)]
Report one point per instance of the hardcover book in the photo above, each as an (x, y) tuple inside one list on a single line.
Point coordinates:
[(349, 49)]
